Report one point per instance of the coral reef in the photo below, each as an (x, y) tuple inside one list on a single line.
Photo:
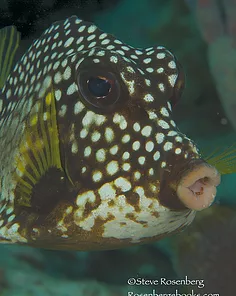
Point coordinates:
[(27, 271), (206, 250), (216, 21)]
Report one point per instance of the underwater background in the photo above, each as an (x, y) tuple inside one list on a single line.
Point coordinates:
[(202, 34)]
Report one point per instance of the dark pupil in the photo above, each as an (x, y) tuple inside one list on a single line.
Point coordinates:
[(99, 87)]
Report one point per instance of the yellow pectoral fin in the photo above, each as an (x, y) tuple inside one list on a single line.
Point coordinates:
[(10, 39), (39, 149), (223, 159)]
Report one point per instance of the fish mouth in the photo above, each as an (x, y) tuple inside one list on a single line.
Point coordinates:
[(197, 188)]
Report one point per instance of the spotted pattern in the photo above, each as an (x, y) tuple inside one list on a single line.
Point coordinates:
[(112, 158)]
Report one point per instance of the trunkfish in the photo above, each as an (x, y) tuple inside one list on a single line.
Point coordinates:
[(90, 156)]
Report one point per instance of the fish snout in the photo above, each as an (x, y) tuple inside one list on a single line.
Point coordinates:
[(197, 187)]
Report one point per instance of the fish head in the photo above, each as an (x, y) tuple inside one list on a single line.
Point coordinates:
[(121, 128)]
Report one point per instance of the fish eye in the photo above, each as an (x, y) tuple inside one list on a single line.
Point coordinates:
[(99, 86), (99, 89)]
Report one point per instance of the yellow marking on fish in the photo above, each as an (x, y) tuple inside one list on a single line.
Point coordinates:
[(39, 149)]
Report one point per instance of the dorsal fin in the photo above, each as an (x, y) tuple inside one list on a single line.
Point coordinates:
[(9, 42)]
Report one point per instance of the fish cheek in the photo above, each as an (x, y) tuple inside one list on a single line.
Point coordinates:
[(49, 191)]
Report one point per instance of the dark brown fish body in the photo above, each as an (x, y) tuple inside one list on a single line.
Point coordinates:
[(90, 155)]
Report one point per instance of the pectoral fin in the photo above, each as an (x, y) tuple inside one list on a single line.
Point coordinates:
[(9, 42)]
